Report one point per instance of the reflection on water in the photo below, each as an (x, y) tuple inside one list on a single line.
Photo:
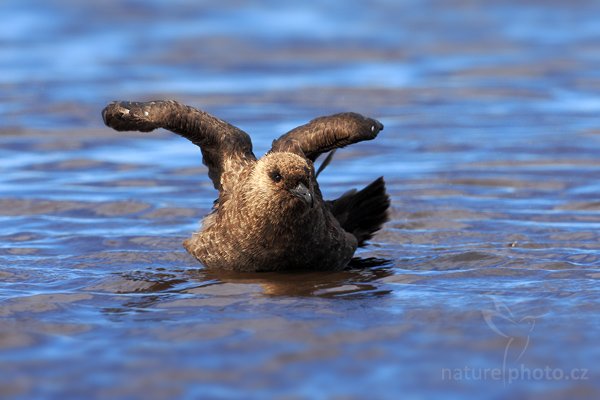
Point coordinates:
[(491, 260), (359, 280)]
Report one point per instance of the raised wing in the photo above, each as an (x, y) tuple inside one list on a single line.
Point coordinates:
[(225, 148), (327, 133)]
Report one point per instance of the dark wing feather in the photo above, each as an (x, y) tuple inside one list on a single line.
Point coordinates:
[(363, 212), (330, 132), (225, 148)]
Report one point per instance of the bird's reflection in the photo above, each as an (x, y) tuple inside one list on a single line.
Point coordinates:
[(360, 279)]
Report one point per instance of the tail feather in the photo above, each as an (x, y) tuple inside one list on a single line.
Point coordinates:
[(363, 212)]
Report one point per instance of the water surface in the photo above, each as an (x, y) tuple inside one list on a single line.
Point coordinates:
[(490, 152)]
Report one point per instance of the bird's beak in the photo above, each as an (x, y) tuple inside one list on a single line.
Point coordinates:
[(302, 192)]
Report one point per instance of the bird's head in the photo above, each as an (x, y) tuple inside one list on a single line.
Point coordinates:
[(286, 180)]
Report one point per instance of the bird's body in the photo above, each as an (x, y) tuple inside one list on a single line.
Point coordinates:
[(270, 214), (259, 227)]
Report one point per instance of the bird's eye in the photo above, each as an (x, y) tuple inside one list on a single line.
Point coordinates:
[(276, 176)]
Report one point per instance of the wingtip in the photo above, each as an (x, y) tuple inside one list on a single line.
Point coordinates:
[(109, 112), (104, 112)]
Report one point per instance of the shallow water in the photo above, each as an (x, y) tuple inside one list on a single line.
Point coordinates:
[(490, 152)]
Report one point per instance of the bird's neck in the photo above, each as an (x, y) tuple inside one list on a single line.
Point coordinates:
[(272, 217)]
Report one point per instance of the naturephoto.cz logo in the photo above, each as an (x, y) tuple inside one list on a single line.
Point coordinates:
[(512, 374), (517, 331)]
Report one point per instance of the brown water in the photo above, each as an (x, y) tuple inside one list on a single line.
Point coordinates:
[(484, 284)]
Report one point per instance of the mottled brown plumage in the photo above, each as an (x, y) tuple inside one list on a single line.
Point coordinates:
[(270, 214)]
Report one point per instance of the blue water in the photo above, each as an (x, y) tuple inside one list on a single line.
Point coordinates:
[(490, 153)]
